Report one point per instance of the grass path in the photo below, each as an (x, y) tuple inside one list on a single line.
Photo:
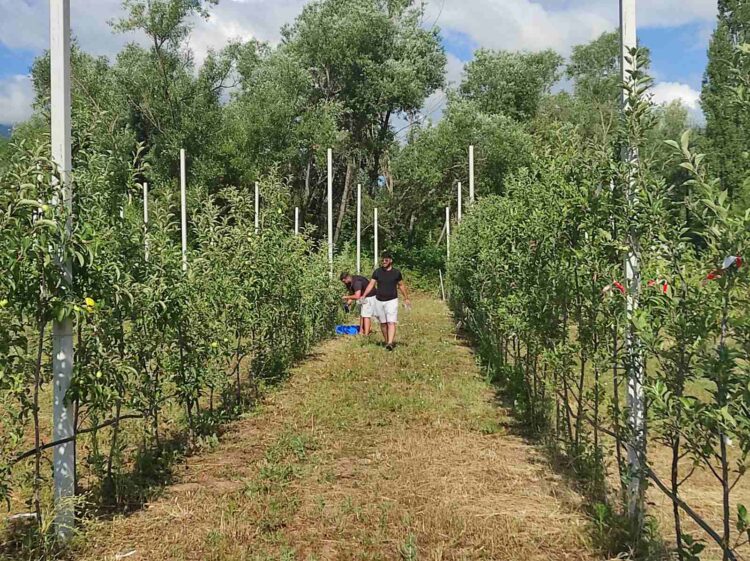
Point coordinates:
[(364, 455)]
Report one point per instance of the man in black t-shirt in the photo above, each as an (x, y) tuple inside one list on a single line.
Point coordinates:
[(386, 282), (357, 285)]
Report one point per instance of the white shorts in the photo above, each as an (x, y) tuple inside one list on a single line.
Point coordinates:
[(367, 307), (387, 312)]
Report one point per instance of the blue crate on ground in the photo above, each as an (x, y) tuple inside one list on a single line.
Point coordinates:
[(347, 330)]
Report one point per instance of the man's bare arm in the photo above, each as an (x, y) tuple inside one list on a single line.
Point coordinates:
[(405, 292), (356, 296), (370, 289)]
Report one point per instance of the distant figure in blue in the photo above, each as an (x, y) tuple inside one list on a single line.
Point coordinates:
[(385, 284), (356, 286)]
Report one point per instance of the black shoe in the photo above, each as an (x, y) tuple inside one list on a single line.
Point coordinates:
[(390, 347)]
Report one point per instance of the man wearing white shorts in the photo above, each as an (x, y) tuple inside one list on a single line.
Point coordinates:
[(385, 284), (357, 285)]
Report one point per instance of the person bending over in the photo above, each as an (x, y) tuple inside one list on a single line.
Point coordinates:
[(385, 284), (357, 285)]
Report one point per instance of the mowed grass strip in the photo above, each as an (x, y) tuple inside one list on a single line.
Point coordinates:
[(364, 455)]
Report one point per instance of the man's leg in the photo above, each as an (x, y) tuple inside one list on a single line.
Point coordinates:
[(391, 333), (380, 315), (392, 320), (367, 311)]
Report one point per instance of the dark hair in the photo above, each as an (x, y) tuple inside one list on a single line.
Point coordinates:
[(387, 255), (343, 275)]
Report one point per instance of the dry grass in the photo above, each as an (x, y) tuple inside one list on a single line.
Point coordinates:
[(703, 492), (364, 455)]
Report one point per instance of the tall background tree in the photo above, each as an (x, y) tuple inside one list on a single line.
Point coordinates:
[(374, 61), (728, 124)]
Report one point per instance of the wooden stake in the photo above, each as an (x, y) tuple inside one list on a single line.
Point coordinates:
[(460, 203), (183, 208), (471, 174), (257, 208), (145, 222), (376, 250), (330, 212), (359, 229), (448, 232)]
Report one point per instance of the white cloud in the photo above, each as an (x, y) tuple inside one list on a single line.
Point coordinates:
[(512, 24), (16, 96), (454, 70), (24, 24), (517, 24), (555, 24), (667, 92), (435, 104), (243, 20), (650, 13), (670, 13)]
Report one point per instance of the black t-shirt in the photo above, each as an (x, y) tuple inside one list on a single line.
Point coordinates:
[(387, 283), (358, 283)]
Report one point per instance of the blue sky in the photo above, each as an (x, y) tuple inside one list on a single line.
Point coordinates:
[(679, 53), (14, 61), (676, 31)]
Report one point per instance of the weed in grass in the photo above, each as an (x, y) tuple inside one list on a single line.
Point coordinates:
[(215, 539), (320, 505), (349, 507), (286, 554), (409, 549), (279, 511), (613, 534), (278, 474), (301, 445), (206, 443), (384, 516), (328, 476), (491, 426)]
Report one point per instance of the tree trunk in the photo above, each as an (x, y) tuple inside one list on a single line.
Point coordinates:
[(344, 199), (675, 480), (42, 324), (308, 172)]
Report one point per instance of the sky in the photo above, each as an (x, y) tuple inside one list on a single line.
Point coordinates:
[(676, 31)]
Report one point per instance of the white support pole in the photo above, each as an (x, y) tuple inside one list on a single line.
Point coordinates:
[(636, 447), (296, 221), (460, 203), (145, 221), (375, 240), (257, 208), (330, 212), (448, 232), (62, 347), (471, 174), (359, 229), (183, 207)]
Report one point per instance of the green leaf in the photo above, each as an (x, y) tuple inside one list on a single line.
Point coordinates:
[(685, 142)]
